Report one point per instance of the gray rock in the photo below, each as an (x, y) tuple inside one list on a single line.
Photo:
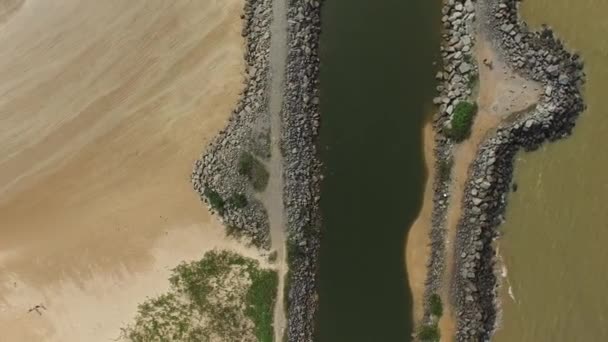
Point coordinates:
[(464, 67)]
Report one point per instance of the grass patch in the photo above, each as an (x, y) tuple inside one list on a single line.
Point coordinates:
[(210, 297), (436, 307), (238, 201), (254, 170), (260, 300), (429, 333), (215, 199), (462, 120)]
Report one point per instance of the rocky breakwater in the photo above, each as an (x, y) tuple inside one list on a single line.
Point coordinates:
[(302, 169), (542, 57), (221, 176), (459, 71)]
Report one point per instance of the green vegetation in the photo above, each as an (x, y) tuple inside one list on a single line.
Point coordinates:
[(429, 333), (462, 120), (215, 200), (272, 257), (472, 80), (260, 300), (254, 170), (238, 200), (217, 296), (445, 169), (435, 305)]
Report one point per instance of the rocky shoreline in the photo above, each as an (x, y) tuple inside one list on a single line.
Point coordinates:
[(302, 169), (216, 174), (536, 55)]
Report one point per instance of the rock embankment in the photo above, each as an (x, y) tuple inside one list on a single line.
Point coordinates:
[(458, 73), (543, 58), (302, 169), (216, 175)]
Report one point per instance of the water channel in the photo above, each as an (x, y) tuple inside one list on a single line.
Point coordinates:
[(376, 86)]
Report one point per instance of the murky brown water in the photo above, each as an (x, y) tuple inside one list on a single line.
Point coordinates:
[(555, 235)]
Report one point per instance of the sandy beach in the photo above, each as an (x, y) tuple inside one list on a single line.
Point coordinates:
[(105, 106), (417, 247)]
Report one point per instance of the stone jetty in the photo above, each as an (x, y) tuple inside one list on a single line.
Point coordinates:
[(216, 175), (539, 56), (302, 172)]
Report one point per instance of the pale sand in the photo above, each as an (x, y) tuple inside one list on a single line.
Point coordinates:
[(501, 94), (418, 249), (104, 107)]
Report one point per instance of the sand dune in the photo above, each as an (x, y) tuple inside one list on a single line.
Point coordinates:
[(104, 106)]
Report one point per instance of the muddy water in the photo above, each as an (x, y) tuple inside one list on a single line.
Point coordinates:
[(555, 234)]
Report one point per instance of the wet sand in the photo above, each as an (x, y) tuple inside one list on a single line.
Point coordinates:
[(105, 106), (501, 94), (418, 249)]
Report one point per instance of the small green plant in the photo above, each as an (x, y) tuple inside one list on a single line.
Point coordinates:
[(462, 120), (238, 201), (445, 169), (233, 231), (215, 200), (429, 333), (472, 81), (254, 170), (272, 257), (435, 305)]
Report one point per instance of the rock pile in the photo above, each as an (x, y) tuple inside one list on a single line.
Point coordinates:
[(458, 73), (215, 176), (542, 57), (302, 169), (537, 55)]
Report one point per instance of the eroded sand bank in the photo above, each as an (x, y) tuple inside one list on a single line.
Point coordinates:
[(104, 107)]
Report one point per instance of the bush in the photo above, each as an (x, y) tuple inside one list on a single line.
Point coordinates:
[(429, 333), (215, 200), (254, 170), (462, 120), (238, 200), (435, 305)]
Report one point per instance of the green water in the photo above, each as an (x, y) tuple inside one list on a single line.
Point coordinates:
[(376, 86)]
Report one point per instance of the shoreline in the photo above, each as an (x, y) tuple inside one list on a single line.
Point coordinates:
[(417, 244), (538, 57)]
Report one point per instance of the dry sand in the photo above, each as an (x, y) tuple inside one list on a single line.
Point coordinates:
[(501, 94), (104, 107)]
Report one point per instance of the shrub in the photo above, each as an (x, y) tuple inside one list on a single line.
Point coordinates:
[(272, 257), (429, 333), (215, 200), (238, 200), (254, 170), (462, 120), (245, 164), (435, 305)]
